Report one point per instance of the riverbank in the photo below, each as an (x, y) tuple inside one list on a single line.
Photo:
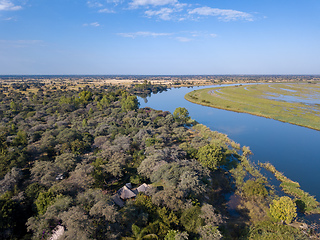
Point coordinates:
[(297, 104)]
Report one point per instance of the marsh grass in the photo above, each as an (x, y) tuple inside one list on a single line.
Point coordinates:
[(292, 103), (306, 202)]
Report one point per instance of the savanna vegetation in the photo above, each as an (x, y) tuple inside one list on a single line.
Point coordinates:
[(66, 150), (291, 102)]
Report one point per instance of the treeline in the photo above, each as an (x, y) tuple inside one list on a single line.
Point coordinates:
[(145, 89), (65, 153)]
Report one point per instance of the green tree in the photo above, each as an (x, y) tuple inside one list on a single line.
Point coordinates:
[(104, 102), (129, 103), (140, 234), (84, 122), (283, 209), (211, 156), (13, 106), (20, 139), (8, 212), (44, 200), (85, 97), (254, 188), (191, 220), (182, 115)]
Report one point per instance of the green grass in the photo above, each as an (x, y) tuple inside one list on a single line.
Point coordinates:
[(258, 100), (311, 205)]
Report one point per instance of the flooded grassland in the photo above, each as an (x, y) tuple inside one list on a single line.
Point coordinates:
[(288, 102)]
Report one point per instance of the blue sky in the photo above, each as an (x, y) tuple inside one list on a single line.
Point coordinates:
[(159, 37)]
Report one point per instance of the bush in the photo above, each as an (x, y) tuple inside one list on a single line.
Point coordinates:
[(283, 209), (211, 156), (254, 188)]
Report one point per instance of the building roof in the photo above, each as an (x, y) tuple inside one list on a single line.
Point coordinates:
[(117, 200), (144, 187), (126, 193)]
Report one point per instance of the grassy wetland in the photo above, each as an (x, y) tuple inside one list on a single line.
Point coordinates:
[(288, 102)]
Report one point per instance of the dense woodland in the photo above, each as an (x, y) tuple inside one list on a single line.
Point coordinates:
[(64, 151)]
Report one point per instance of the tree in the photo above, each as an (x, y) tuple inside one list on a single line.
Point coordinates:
[(140, 234), (8, 213), (209, 232), (21, 139), (176, 235), (78, 224), (85, 96), (66, 162), (44, 200), (283, 209), (44, 172), (182, 115), (191, 220), (13, 106), (11, 179), (129, 103), (211, 156), (254, 188)]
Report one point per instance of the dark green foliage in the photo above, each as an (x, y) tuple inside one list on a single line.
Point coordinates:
[(254, 188), (8, 213), (190, 219), (129, 103), (270, 230), (21, 139), (33, 190), (182, 115), (44, 200)]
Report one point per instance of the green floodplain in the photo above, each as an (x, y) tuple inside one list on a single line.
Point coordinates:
[(296, 103)]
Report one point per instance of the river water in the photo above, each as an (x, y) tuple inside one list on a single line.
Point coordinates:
[(291, 149)]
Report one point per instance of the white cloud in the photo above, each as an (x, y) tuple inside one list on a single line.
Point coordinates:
[(94, 4), (106, 10), (137, 3), (163, 13), (7, 5), (116, 2), (94, 24), (143, 34), (222, 14), (8, 19), (183, 39)]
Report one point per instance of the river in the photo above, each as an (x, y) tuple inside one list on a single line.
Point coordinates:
[(290, 148)]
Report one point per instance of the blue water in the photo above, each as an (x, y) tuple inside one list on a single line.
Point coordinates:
[(291, 149)]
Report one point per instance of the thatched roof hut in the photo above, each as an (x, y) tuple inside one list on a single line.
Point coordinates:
[(144, 187), (117, 200), (126, 193)]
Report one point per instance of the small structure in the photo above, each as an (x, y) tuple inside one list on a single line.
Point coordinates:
[(126, 193), (117, 200), (142, 188)]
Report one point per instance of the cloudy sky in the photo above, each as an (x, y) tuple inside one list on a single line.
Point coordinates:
[(159, 37)]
